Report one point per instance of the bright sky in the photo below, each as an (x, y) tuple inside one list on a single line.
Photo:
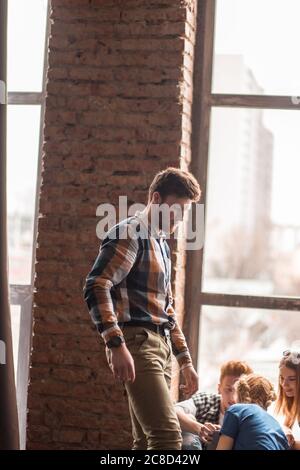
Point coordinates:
[(265, 32)]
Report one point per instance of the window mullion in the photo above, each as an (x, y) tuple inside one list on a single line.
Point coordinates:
[(203, 62), (254, 101), (250, 301)]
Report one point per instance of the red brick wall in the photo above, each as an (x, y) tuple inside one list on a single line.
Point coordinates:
[(118, 110)]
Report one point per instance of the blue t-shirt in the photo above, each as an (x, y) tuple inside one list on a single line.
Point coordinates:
[(252, 428)]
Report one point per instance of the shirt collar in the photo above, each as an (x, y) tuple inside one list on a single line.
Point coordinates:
[(154, 231)]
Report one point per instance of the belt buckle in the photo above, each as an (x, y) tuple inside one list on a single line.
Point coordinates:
[(167, 331)]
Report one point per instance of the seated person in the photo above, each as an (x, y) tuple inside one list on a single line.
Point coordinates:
[(286, 409), (247, 425), (202, 414)]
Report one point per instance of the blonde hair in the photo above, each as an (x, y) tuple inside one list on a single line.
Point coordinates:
[(289, 406), (235, 369), (254, 388)]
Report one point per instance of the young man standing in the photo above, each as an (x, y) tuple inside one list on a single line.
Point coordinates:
[(128, 293), (202, 414)]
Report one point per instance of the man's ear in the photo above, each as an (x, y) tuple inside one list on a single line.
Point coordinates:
[(156, 198)]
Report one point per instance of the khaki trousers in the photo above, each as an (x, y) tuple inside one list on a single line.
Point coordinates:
[(153, 417)]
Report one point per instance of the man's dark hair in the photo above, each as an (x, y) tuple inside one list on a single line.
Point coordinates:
[(175, 182)]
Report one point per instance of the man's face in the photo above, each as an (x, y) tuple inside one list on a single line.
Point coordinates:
[(227, 391), (178, 206)]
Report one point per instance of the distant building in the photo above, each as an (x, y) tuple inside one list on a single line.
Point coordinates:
[(240, 165)]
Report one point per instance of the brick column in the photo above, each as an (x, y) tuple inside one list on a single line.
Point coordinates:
[(118, 110)]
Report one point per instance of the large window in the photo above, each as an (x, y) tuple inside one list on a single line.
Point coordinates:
[(27, 31), (255, 335), (23, 123), (253, 221), (248, 165), (255, 46)]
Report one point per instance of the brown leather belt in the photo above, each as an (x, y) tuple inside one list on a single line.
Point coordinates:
[(162, 329)]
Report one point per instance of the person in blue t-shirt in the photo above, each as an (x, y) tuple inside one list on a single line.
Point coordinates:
[(247, 425)]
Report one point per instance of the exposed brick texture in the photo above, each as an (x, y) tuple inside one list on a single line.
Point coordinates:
[(118, 110)]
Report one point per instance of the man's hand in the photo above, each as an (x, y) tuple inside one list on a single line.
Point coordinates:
[(206, 431), (122, 364), (191, 381)]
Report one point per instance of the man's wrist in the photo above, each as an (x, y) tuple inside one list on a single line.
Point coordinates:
[(198, 428), (115, 342), (186, 365)]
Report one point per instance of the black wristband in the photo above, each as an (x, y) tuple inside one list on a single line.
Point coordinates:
[(115, 342)]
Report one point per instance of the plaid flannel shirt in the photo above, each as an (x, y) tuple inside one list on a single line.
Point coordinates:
[(131, 280), (206, 407)]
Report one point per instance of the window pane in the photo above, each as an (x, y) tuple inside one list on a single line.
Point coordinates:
[(252, 240), (256, 45), (22, 149), (26, 43), (256, 336), (15, 313)]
